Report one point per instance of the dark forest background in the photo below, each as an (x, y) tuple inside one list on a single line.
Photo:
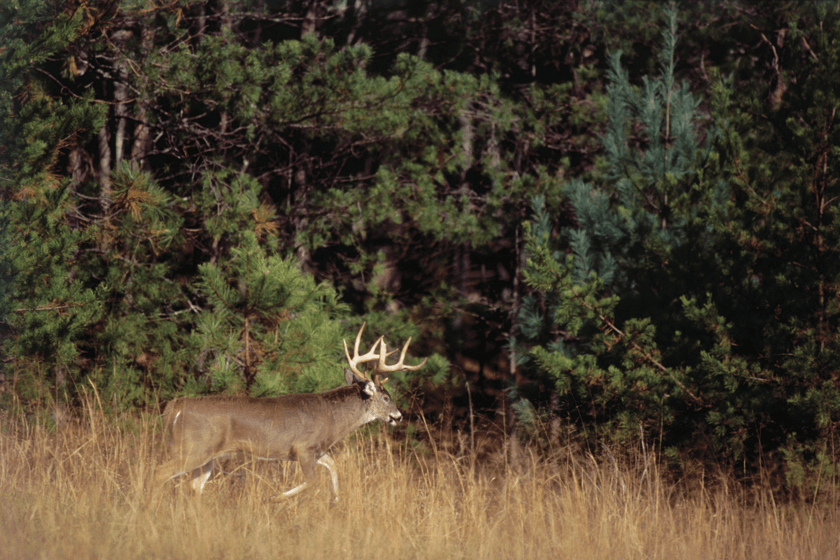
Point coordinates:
[(606, 223)]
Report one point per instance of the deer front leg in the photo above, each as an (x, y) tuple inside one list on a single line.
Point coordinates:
[(293, 491), (308, 468)]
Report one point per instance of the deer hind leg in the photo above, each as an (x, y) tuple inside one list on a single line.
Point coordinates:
[(201, 476), (177, 466), (327, 462)]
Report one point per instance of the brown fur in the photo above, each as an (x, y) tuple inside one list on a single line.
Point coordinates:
[(300, 427)]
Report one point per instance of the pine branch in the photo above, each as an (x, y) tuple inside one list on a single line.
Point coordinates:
[(48, 308), (646, 355)]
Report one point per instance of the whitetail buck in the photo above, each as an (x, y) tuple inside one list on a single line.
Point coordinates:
[(289, 428)]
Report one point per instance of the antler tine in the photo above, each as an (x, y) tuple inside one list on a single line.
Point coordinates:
[(382, 367), (356, 359)]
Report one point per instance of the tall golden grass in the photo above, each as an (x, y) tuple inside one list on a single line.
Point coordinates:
[(79, 491)]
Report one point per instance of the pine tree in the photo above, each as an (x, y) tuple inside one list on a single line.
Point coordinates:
[(770, 301), (51, 309), (592, 316), (270, 329), (695, 303)]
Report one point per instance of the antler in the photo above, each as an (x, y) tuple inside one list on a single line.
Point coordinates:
[(381, 366), (356, 359)]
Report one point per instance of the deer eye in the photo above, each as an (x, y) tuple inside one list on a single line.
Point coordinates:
[(387, 398)]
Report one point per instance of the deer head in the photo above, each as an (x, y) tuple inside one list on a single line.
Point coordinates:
[(382, 408)]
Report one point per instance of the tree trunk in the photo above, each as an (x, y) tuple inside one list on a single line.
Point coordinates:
[(140, 147)]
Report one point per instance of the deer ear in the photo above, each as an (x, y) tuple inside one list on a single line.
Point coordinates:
[(368, 386), (351, 378), (369, 389)]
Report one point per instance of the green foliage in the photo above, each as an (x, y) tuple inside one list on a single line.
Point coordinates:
[(110, 293), (33, 121), (694, 299), (41, 248), (6, 276), (774, 253), (89, 300), (371, 177), (589, 330), (60, 308), (270, 329)]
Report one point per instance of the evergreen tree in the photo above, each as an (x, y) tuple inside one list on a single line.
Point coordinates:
[(770, 300), (270, 328), (51, 308), (592, 319), (106, 259), (695, 302)]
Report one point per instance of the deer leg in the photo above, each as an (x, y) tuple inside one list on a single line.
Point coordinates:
[(178, 466), (307, 467), (170, 469), (204, 472), (294, 490), (326, 461)]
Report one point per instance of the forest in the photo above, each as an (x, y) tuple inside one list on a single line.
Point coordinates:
[(609, 225)]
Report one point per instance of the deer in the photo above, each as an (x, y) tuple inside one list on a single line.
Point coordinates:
[(296, 427)]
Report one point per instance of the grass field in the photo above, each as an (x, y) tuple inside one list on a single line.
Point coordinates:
[(80, 492)]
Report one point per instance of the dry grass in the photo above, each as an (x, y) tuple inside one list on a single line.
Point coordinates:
[(79, 492)]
